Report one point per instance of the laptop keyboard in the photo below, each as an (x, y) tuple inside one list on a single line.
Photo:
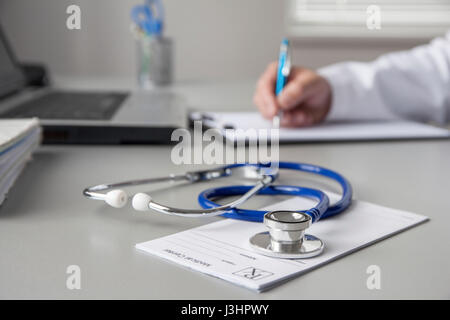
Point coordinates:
[(70, 106)]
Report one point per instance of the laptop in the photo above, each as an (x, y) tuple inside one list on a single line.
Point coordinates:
[(89, 116)]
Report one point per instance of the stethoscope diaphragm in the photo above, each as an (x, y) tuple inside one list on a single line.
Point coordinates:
[(286, 237)]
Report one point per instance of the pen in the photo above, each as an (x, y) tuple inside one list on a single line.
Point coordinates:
[(284, 68), (149, 18)]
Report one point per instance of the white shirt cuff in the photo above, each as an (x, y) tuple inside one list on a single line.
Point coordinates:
[(339, 109)]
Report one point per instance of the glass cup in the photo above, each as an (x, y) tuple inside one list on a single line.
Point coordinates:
[(154, 61)]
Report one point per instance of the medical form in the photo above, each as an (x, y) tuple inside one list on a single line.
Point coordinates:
[(221, 249)]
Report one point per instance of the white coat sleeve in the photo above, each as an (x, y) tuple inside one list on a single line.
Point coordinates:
[(413, 84)]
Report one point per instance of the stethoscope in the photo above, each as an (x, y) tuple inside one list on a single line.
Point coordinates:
[(286, 237)]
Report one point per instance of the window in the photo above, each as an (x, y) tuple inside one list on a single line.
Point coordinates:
[(368, 18)]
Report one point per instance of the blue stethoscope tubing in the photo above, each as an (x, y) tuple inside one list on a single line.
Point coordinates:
[(321, 211)]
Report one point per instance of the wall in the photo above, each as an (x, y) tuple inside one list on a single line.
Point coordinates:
[(215, 39)]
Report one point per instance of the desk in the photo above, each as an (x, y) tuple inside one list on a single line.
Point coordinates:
[(46, 224)]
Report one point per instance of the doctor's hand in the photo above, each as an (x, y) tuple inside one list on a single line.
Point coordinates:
[(305, 100)]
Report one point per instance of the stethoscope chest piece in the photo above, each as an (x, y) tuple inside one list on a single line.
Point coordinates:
[(286, 237)]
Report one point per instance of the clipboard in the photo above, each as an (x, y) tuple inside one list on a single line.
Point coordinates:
[(349, 131)]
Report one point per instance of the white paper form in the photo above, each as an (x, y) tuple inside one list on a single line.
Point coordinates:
[(327, 131), (221, 249)]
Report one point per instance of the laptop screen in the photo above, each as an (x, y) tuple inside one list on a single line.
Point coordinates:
[(6, 63), (11, 77)]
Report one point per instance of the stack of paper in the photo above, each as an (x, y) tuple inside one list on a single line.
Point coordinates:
[(18, 139)]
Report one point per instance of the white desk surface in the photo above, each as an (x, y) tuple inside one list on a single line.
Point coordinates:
[(47, 225)]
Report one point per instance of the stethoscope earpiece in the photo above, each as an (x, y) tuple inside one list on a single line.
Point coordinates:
[(116, 198), (141, 201)]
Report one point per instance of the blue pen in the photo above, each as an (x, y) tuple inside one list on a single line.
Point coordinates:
[(284, 68), (149, 17), (158, 11), (142, 17)]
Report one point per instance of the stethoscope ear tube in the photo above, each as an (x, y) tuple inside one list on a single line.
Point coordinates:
[(258, 216), (321, 210), (347, 191), (118, 198)]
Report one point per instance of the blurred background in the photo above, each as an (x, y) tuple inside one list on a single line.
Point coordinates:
[(217, 40)]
